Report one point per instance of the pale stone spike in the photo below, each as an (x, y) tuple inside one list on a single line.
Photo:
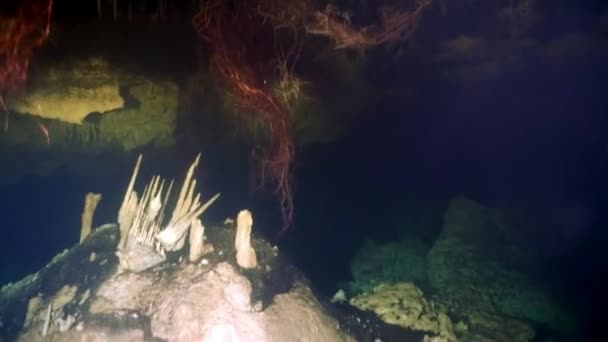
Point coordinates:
[(151, 188), (149, 211), (160, 189), (141, 207), (155, 182), (163, 183), (197, 201), (132, 211), (127, 218), (149, 236), (184, 189), (187, 205), (150, 193), (134, 230), (161, 215), (172, 237), (154, 207), (168, 193), (209, 202), (193, 205), (197, 240), (130, 186), (245, 254), (155, 203)]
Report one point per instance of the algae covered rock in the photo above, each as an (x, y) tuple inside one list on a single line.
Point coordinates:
[(71, 92), (404, 304), (482, 326), (477, 264), (149, 120), (90, 104), (376, 263)]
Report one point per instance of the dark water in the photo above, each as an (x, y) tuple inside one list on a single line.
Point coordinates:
[(527, 152), (347, 191), (536, 140)]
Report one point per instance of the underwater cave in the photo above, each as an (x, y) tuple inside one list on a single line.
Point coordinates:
[(266, 170)]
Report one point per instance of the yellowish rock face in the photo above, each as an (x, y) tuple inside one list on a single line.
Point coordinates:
[(71, 104), (70, 93)]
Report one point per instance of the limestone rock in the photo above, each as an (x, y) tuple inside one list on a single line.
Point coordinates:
[(175, 301), (71, 92), (476, 265), (404, 304)]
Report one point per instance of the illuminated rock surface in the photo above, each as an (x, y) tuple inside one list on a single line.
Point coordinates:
[(70, 93)]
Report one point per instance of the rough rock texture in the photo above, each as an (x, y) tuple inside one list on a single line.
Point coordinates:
[(89, 104), (176, 301), (149, 118), (480, 326), (404, 304), (198, 303), (83, 124), (70, 93), (476, 266), (376, 263)]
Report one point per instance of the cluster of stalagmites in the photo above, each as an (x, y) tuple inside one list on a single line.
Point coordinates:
[(144, 239)]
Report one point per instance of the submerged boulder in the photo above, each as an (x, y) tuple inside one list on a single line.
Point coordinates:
[(477, 264), (71, 92), (404, 304), (82, 295), (393, 262), (85, 109), (89, 104)]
